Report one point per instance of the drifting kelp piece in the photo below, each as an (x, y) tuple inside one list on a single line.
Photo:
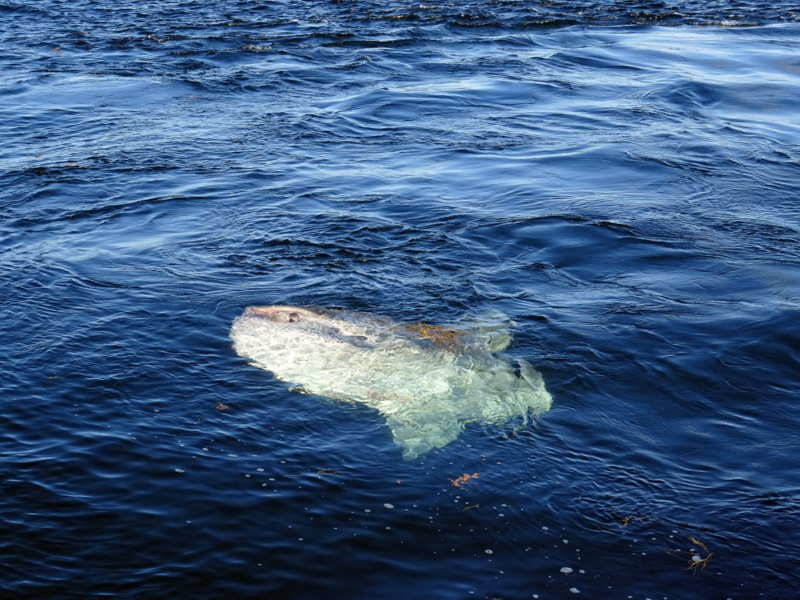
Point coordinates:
[(463, 480), (426, 381)]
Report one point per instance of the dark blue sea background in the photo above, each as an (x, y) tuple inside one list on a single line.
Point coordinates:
[(622, 179)]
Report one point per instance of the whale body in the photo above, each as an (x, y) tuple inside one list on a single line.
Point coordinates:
[(426, 381)]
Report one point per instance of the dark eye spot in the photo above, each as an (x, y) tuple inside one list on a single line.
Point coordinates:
[(293, 317)]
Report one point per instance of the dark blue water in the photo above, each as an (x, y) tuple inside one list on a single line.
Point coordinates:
[(621, 178)]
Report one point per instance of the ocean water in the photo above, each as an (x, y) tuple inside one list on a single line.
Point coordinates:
[(621, 179)]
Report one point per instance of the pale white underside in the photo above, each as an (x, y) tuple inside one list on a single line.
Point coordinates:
[(426, 392)]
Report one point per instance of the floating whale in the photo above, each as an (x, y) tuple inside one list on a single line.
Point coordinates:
[(427, 381)]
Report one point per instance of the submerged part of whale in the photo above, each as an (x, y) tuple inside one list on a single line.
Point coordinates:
[(427, 381)]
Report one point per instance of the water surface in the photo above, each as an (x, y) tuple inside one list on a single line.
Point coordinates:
[(621, 179)]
